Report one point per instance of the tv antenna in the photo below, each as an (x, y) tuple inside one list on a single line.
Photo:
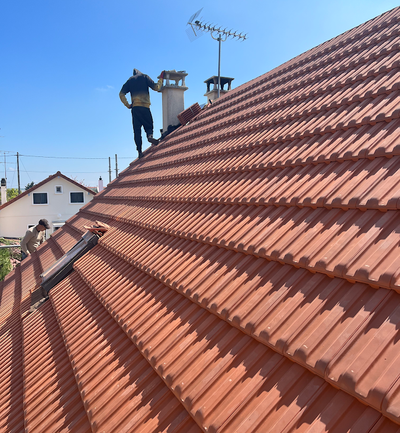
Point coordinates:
[(217, 33)]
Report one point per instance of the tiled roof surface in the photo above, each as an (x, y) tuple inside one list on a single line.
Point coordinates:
[(186, 115), (250, 279)]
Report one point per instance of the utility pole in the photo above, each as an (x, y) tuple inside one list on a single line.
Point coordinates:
[(219, 39), (116, 166), (19, 180), (109, 169)]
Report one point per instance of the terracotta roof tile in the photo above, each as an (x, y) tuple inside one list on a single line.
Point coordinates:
[(189, 336), (51, 398), (249, 280), (119, 389), (11, 368)]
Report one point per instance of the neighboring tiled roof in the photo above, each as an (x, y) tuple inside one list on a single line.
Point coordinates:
[(250, 278), (43, 182)]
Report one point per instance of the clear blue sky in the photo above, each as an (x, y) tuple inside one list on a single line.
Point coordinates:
[(64, 62)]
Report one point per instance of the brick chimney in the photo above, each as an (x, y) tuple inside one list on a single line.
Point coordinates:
[(212, 93), (173, 97), (3, 191)]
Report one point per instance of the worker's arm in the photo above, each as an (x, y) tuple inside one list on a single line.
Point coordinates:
[(124, 100), (157, 86), (24, 241), (124, 90)]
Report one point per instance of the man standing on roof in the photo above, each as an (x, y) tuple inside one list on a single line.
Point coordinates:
[(138, 85), (33, 238)]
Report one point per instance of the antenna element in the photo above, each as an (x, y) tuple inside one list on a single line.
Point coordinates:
[(217, 33)]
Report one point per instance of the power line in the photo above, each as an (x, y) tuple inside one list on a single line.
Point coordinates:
[(61, 157), (68, 172), (25, 170), (71, 157), (56, 157)]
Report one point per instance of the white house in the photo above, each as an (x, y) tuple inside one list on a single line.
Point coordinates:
[(56, 198)]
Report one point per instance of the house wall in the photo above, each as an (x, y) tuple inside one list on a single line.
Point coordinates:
[(15, 218)]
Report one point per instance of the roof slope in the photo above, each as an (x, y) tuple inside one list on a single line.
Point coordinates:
[(249, 281), (43, 182)]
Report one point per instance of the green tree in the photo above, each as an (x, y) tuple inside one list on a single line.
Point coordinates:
[(11, 193), (5, 263), (30, 185)]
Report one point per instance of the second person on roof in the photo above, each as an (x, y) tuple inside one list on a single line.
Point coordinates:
[(138, 85)]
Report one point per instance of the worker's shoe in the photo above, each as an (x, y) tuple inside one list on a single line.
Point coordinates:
[(152, 140), (140, 154)]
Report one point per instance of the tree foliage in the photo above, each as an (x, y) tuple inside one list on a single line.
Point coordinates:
[(5, 262), (8, 256), (11, 193), (30, 185)]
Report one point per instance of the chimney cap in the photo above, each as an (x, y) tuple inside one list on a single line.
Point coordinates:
[(223, 80), (3, 182), (174, 75)]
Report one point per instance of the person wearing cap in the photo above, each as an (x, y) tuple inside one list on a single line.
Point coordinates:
[(33, 238), (138, 86)]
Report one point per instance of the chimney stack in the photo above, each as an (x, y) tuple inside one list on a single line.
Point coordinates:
[(172, 97), (3, 191), (212, 94), (100, 184)]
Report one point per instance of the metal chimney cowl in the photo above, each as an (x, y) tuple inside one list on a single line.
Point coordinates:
[(212, 92)]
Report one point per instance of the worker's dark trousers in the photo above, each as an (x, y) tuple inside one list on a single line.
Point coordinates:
[(141, 116)]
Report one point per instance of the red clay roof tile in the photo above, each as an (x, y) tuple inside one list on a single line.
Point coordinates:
[(51, 397), (250, 278)]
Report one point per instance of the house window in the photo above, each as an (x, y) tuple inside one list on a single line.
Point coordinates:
[(40, 198), (59, 189), (57, 225), (76, 198)]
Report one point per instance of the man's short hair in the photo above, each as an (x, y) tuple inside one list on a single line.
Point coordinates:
[(43, 222)]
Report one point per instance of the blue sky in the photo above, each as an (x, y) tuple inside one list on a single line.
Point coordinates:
[(64, 62)]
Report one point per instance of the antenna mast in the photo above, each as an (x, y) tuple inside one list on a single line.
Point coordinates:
[(217, 33)]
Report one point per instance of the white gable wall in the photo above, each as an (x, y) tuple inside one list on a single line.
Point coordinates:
[(16, 217)]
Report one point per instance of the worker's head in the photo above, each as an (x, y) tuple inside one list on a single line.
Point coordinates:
[(136, 71), (43, 224)]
